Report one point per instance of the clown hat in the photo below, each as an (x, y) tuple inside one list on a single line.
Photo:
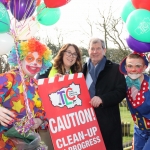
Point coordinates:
[(123, 63)]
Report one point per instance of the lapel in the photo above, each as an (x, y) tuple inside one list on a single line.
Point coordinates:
[(84, 71)]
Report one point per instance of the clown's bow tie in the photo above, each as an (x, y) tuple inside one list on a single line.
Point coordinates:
[(131, 82)]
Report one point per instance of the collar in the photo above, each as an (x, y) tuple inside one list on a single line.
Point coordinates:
[(130, 83), (95, 70), (89, 61), (68, 72), (32, 81)]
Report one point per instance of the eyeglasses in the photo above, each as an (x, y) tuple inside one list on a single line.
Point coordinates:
[(74, 55)]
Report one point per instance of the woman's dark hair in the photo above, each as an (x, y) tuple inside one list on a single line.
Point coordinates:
[(58, 60)]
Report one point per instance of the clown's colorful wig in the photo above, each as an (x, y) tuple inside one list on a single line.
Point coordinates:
[(31, 45)]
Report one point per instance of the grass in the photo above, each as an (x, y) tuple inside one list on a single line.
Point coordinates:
[(126, 119)]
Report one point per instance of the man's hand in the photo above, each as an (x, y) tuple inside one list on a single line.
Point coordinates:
[(96, 101), (37, 123), (149, 57), (6, 117)]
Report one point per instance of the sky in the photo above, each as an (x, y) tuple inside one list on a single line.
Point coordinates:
[(72, 23)]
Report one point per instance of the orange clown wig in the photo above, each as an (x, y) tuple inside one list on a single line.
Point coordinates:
[(32, 45)]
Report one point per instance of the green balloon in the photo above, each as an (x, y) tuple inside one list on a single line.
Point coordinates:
[(47, 16), (4, 19), (127, 9), (138, 25)]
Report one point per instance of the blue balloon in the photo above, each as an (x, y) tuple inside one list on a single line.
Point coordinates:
[(138, 25), (4, 19), (127, 9), (47, 16)]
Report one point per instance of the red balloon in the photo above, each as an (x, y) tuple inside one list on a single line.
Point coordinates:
[(38, 2), (141, 4), (55, 3)]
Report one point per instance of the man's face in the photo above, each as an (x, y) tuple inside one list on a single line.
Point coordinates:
[(135, 67), (32, 64), (96, 52)]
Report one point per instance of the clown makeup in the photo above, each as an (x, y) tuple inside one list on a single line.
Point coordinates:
[(32, 64), (135, 67)]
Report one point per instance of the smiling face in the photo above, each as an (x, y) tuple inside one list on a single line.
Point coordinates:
[(69, 57), (96, 52), (32, 64), (135, 67)]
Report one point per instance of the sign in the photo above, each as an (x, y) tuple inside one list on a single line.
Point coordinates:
[(72, 121)]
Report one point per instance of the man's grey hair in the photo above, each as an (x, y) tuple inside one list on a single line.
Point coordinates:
[(97, 40)]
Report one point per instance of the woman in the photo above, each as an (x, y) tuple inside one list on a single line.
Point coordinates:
[(67, 61)]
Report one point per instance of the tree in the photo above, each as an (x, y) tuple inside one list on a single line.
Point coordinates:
[(111, 27), (55, 42), (115, 55), (4, 65), (54, 48), (84, 51)]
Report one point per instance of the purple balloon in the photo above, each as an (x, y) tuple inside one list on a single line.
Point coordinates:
[(22, 9), (138, 46), (5, 3)]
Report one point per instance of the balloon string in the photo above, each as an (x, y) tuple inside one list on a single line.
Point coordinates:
[(43, 12), (22, 29), (21, 25), (4, 23), (12, 31), (28, 111), (40, 11), (14, 12)]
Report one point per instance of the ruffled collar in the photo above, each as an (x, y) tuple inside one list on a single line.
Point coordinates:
[(26, 78)]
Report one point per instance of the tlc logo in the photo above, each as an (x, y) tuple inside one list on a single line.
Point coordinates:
[(67, 97)]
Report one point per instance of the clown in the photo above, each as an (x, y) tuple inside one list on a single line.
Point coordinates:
[(138, 97), (34, 57)]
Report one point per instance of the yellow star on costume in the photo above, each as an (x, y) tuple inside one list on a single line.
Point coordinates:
[(17, 106), (5, 138), (37, 102), (9, 85), (20, 88), (8, 97), (36, 97)]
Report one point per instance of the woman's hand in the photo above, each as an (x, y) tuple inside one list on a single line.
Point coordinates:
[(6, 117), (58, 75), (37, 123)]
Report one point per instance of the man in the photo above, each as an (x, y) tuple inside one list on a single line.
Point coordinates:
[(107, 89)]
